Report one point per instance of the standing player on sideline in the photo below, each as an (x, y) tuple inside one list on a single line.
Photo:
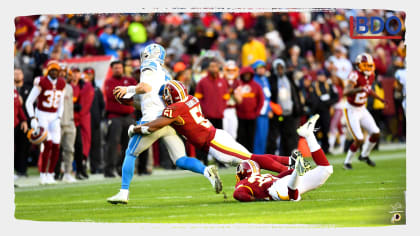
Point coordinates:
[(153, 77), (289, 185), (357, 90), (48, 92), (184, 114)]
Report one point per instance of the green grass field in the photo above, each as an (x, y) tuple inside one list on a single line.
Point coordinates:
[(362, 197)]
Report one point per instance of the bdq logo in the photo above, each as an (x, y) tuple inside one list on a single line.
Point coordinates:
[(363, 25)]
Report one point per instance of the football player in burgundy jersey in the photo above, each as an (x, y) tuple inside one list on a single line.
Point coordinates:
[(48, 93), (357, 90), (287, 186), (184, 114)]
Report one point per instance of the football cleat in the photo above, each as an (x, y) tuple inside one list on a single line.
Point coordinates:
[(214, 178), (43, 178), (120, 197), (309, 127), (348, 166), (50, 178), (300, 165), (367, 160), (293, 157)]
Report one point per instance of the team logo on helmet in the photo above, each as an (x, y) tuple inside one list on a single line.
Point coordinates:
[(153, 52), (174, 91), (247, 168), (37, 136), (364, 63)]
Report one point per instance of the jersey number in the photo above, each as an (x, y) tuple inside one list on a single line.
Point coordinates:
[(360, 98), (198, 117), (53, 99), (262, 179)]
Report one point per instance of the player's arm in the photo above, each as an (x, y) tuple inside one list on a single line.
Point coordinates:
[(152, 126), (350, 89), (141, 88), (29, 104), (243, 194)]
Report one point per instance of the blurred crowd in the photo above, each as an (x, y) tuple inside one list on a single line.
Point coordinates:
[(257, 75)]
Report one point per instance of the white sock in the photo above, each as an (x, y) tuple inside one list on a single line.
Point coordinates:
[(342, 142), (367, 148), (124, 191), (312, 143), (207, 175), (331, 141), (349, 156), (294, 180)]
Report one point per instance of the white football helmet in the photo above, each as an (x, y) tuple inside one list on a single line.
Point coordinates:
[(153, 52)]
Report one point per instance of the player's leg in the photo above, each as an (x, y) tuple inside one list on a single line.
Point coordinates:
[(315, 177), (352, 116), (177, 153), (225, 149), (55, 131), (368, 123), (47, 144), (136, 145)]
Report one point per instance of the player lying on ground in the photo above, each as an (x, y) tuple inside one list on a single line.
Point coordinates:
[(183, 113), (290, 184), (153, 77)]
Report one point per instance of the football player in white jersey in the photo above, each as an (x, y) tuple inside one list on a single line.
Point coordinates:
[(153, 76)]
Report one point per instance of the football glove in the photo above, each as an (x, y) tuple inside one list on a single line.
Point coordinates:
[(131, 130), (34, 123)]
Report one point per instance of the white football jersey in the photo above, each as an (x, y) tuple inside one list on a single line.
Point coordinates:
[(153, 74)]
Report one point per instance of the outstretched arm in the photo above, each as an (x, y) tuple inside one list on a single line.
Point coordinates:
[(154, 125), (350, 89)]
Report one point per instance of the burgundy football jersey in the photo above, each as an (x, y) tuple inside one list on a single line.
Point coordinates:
[(360, 80), (197, 129), (51, 94), (257, 185)]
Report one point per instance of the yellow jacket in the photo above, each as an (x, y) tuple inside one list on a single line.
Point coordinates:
[(253, 51)]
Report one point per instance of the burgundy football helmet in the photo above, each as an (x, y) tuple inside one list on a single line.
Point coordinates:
[(247, 168), (37, 136), (174, 91)]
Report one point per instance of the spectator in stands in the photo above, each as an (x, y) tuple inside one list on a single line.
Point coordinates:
[(120, 117), (339, 64), (21, 146), (231, 47), (285, 93), (97, 112), (111, 42), (250, 100), (262, 123), (253, 50)]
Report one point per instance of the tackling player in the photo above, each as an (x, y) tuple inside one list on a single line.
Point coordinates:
[(153, 77), (289, 185), (183, 113), (357, 90), (48, 93)]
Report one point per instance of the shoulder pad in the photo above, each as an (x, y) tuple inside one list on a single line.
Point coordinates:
[(149, 65)]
